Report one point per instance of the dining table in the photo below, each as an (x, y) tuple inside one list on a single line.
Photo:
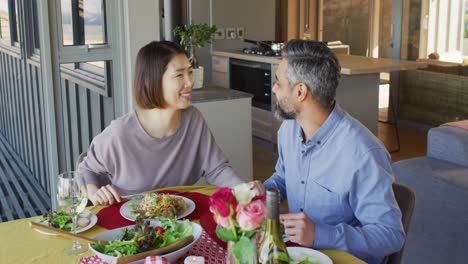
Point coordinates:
[(19, 243)]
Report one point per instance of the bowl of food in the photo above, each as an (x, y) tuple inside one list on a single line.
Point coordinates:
[(172, 237)]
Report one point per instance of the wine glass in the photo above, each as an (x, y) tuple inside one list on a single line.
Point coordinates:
[(72, 200)]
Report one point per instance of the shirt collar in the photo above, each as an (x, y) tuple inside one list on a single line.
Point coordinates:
[(326, 129)]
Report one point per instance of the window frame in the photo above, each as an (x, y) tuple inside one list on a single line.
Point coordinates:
[(78, 55)]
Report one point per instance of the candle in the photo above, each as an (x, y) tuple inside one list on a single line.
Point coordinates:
[(194, 260)]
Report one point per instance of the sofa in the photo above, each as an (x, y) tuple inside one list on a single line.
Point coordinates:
[(439, 228), (434, 95)]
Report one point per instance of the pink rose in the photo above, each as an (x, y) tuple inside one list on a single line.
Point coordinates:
[(250, 216)]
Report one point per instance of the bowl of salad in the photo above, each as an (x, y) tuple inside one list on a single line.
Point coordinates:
[(144, 236)]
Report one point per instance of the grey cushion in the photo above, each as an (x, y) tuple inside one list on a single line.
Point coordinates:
[(449, 144)]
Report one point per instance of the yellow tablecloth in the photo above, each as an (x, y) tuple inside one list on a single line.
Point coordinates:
[(20, 244)]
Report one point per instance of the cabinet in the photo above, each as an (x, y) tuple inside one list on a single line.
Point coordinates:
[(220, 73), (264, 125)]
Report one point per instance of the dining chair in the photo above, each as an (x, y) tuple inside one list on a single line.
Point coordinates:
[(406, 199)]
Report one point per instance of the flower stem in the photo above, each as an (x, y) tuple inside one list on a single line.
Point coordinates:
[(233, 227)]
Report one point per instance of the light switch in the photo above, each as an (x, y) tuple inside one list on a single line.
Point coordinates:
[(231, 33)]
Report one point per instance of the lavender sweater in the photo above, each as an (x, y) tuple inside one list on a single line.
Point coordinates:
[(125, 156)]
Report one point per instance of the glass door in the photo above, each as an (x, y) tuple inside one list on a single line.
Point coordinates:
[(348, 22)]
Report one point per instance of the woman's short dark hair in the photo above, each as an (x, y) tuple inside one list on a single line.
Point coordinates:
[(151, 63)]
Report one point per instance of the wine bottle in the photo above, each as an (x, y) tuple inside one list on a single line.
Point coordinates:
[(272, 248)]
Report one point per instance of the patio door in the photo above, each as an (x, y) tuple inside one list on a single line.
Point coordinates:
[(86, 60)]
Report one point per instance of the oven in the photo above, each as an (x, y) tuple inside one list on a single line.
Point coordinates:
[(254, 78)]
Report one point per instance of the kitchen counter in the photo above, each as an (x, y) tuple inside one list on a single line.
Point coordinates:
[(216, 93), (357, 93), (350, 64), (228, 114)]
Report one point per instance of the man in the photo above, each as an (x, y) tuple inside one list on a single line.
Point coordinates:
[(334, 172)]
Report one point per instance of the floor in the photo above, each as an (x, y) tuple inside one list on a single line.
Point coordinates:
[(412, 143)]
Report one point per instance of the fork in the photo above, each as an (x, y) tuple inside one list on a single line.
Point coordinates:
[(140, 195)]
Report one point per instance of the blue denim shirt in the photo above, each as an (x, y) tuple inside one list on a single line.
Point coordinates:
[(342, 179)]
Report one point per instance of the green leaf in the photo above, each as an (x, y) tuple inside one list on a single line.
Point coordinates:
[(244, 250), (225, 234)]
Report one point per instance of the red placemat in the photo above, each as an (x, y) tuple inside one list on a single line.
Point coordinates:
[(110, 217)]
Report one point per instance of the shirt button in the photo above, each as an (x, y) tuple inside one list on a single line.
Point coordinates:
[(302, 182), (302, 210), (318, 142), (302, 151)]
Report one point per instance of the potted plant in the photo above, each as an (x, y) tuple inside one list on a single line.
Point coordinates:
[(194, 36)]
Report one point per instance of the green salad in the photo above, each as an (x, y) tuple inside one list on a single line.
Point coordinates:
[(58, 219), (142, 237), (305, 259)]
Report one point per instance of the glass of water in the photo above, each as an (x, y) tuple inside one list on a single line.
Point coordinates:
[(72, 200)]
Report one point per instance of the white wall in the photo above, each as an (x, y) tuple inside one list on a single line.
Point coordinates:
[(141, 23), (256, 16)]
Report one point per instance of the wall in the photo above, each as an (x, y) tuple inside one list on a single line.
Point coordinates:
[(201, 11), (258, 20), (138, 16), (257, 17)]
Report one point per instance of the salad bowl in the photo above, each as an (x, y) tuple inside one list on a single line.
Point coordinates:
[(171, 257)]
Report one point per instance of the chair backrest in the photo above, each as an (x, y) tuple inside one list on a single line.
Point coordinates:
[(406, 200)]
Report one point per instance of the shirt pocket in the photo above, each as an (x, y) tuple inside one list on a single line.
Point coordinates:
[(325, 205)]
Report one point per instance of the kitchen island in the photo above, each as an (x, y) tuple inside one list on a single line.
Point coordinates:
[(228, 115), (358, 92)]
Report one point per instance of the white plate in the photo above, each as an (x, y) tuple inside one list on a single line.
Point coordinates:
[(295, 253), (171, 257), (92, 222), (126, 209)]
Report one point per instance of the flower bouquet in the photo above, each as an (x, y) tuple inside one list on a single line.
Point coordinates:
[(239, 215)]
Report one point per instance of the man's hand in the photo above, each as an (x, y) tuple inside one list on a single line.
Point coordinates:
[(299, 228), (106, 195), (257, 187)]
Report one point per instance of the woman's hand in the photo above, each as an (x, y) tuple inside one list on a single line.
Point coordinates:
[(257, 187), (106, 195)]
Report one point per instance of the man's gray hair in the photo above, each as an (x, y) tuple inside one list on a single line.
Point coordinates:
[(313, 63)]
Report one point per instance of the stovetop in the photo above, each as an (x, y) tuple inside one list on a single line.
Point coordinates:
[(261, 52)]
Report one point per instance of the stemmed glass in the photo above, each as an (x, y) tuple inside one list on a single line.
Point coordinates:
[(72, 200)]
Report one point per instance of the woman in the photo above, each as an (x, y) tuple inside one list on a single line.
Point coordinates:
[(164, 142)]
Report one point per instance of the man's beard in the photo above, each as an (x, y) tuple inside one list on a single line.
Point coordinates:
[(282, 114)]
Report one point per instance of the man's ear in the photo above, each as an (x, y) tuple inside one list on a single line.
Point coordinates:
[(302, 91)]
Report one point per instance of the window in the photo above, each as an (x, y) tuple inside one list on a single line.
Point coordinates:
[(35, 20), (93, 75), (9, 26), (83, 22), (447, 24), (4, 22)]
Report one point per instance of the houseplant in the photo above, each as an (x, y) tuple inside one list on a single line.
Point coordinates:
[(239, 215), (194, 36)]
